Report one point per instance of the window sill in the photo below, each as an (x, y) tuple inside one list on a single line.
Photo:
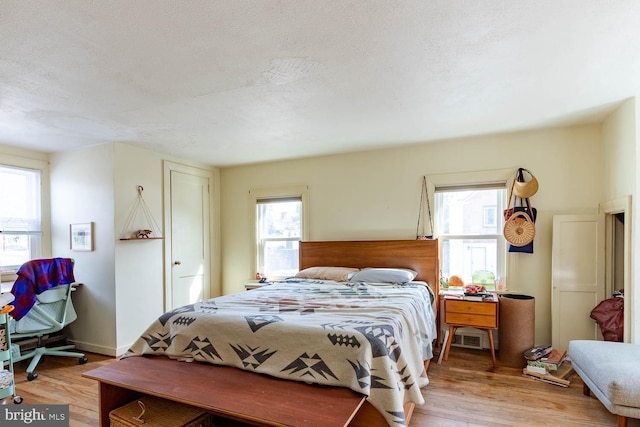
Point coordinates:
[(459, 290)]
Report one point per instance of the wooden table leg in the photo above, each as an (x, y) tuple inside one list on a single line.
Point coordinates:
[(111, 397), (442, 347), (622, 421), (493, 353), (450, 338)]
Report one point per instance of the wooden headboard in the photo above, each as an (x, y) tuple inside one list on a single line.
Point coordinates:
[(418, 255)]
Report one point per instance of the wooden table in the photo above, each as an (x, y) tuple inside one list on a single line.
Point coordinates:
[(230, 393), (474, 314)]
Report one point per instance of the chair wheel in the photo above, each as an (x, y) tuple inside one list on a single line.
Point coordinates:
[(82, 360), (17, 400), (32, 376)]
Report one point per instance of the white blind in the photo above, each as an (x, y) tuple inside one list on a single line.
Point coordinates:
[(278, 199), (20, 210), (471, 187)]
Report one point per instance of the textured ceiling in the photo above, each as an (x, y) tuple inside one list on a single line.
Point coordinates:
[(233, 82)]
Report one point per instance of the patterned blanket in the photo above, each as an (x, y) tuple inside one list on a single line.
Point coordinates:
[(371, 338), (37, 276)]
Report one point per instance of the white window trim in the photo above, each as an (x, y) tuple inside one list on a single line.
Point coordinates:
[(45, 200), (274, 193), (479, 177)]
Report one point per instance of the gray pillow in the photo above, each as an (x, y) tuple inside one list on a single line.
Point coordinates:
[(384, 275)]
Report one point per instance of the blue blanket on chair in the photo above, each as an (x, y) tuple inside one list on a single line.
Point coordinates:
[(35, 277)]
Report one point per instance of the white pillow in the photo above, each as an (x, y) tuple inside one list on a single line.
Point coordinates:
[(338, 274), (384, 275)]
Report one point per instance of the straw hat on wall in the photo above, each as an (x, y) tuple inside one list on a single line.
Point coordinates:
[(522, 188)]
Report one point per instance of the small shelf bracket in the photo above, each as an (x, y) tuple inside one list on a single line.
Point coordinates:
[(152, 230)]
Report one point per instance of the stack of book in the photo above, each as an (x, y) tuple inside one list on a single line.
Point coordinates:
[(480, 296), (459, 294), (544, 363)]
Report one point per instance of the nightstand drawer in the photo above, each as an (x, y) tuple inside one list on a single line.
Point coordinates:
[(488, 308), (469, 319)]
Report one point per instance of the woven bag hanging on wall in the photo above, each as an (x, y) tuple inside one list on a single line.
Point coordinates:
[(520, 217)]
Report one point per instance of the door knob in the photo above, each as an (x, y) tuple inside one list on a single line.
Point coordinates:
[(176, 263)]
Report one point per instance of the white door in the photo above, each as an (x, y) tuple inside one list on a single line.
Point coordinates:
[(577, 269), (190, 240)]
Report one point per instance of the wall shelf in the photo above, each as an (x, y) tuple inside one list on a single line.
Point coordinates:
[(150, 230), (143, 239)]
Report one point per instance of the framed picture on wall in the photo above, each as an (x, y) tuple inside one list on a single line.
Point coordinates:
[(81, 236)]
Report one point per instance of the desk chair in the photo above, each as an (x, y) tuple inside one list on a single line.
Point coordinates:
[(52, 311)]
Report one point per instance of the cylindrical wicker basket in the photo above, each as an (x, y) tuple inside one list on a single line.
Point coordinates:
[(516, 330)]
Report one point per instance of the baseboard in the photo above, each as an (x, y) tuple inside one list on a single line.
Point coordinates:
[(94, 348), (122, 350)]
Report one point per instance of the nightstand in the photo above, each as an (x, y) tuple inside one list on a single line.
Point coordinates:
[(474, 314), (256, 285)]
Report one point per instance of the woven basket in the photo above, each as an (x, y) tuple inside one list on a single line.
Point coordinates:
[(151, 411), (519, 229)]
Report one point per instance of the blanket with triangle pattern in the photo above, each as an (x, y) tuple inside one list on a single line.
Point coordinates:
[(371, 338)]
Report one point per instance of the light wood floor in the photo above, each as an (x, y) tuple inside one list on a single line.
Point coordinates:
[(464, 391)]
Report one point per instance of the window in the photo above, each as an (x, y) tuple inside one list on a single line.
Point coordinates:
[(470, 230), (279, 234), (20, 217), (280, 226), (489, 216)]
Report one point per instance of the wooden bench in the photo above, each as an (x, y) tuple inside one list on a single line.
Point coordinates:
[(611, 370), (232, 394)]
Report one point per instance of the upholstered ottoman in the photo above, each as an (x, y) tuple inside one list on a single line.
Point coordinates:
[(611, 370)]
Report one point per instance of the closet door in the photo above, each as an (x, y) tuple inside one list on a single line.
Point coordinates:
[(187, 235), (190, 243), (577, 269)]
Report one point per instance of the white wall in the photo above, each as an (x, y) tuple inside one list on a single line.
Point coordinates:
[(139, 265), (375, 195), (124, 280), (81, 192), (620, 142), (635, 303), (619, 151)]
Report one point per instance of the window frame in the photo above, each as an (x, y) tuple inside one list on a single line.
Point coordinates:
[(469, 180), (42, 166), (258, 195)]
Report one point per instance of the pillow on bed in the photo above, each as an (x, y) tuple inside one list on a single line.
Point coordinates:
[(339, 274), (384, 275)]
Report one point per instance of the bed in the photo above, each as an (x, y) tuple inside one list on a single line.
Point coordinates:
[(372, 337)]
